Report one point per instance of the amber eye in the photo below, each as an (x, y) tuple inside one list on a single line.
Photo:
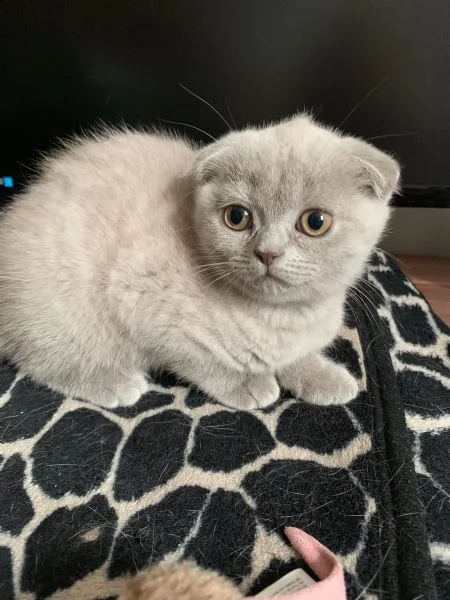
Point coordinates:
[(237, 217), (314, 222)]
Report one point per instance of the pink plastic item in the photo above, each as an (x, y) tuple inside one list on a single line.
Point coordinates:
[(324, 564)]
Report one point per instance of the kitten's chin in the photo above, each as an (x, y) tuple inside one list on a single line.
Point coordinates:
[(271, 290)]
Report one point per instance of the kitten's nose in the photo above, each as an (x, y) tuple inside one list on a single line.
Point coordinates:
[(266, 258)]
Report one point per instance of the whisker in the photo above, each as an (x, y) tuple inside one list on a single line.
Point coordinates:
[(202, 252), (214, 281), (227, 291), (365, 310), (230, 115), (366, 307), (391, 135), (397, 260), (371, 285), (354, 314), (321, 153), (366, 96), (212, 267), (186, 89), (189, 125), (360, 298), (369, 301)]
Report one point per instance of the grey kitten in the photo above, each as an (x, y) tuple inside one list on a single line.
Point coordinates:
[(228, 265)]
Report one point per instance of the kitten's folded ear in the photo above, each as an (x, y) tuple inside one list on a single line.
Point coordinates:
[(377, 172), (209, 163)]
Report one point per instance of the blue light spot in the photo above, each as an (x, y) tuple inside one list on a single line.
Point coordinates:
[(8, 182)]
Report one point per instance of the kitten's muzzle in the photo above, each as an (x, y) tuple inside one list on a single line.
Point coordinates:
[(268, 257)]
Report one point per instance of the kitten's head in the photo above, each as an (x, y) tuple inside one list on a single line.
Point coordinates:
[(292, 211)]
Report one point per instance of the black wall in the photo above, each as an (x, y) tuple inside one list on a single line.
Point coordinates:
[(382, 68)]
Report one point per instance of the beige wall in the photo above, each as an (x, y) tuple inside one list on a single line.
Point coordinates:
[(419, 231)]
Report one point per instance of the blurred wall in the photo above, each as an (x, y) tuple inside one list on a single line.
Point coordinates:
[(424, 231), (380, 67)]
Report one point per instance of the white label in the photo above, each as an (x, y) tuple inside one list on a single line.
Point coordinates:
[(292, 582)]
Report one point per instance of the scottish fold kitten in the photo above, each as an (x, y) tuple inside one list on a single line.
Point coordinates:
[(228, 265)]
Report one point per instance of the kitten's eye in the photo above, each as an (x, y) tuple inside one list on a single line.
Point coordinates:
[(237, 217), (314, 222)]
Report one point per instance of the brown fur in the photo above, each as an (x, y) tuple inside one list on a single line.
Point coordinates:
[(182, 581)]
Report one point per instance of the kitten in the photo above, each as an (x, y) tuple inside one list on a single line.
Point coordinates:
[(228, 265)]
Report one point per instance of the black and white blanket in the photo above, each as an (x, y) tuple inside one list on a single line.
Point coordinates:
[(89, 496)]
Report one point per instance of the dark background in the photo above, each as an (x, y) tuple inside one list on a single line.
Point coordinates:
[(380, 68)]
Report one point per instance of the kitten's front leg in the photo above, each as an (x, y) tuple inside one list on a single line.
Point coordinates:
[(249, 391), (318, 380), (238, 390)]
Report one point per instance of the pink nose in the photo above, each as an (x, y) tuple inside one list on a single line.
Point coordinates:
[(266, 258)]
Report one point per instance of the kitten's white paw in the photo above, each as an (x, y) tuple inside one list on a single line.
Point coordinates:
[(257, 391), (264, 390), (110, 394), (324, 383), (130, 390), (337, 387)]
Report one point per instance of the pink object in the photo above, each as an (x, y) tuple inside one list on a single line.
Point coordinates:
[(267, 258), (324, 564)]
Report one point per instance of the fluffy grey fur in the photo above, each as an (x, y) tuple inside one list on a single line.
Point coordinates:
[(117, 260)]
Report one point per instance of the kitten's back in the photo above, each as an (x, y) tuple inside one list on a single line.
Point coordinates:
[(93, 201)]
